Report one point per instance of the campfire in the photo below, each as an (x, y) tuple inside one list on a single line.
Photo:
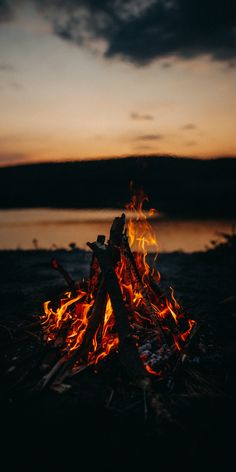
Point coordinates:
[(115, 357), (119, 310)]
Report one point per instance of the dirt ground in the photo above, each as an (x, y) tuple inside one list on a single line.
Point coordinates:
[(199, 427)]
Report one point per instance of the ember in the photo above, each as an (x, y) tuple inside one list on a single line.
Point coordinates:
[(120, 308)]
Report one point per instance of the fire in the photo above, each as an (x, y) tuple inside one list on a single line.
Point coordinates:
[(159, 324)]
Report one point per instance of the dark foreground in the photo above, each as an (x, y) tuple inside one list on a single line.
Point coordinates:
[(191, 428)]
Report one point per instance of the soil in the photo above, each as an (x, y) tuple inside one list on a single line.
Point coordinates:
[(191, 426)]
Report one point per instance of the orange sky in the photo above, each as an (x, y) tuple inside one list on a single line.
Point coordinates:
[(60, 101)]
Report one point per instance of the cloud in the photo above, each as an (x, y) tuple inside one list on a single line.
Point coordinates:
[(189, 126), (6, 12), (166, 65), (143, 147), (150, 137), (8, 159), (191, 143), (15, 85), (139, 116), (5, 67), (141, 31)]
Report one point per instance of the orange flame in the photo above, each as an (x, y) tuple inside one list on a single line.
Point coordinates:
[(140, 233), (148, 309)]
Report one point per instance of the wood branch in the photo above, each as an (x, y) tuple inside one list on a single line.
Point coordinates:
[(182, 356), (64, 370), (98, 311), (130, 257), (200, 383), (156, 289), (47, 378), (97, 316), (21, 371), (116, 231), (127, 348), (94, 271), (115, 241), (70, 282)]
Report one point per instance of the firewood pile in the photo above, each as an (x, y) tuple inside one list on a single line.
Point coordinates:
[(118, 314), (119, 308)]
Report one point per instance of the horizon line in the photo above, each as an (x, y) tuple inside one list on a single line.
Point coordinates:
[(116, 157)]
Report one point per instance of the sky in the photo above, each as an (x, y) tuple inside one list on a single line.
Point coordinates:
[(93, 79)]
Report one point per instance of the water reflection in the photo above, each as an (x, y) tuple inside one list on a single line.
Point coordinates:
[(47, 228)]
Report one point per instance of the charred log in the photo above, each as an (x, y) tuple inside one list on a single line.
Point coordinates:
[(127, 347), (70, 282), (144, 292)]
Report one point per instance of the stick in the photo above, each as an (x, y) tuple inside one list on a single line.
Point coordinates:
[(98, 312), (97, 317), (127, 347), (130, 257), (47, 377), (94, 270), (70, 282)]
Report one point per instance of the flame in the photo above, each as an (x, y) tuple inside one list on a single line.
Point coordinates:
[(156, 320), (140, 232)]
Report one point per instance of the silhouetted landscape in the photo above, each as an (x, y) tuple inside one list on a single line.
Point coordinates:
[(118, 322), (179, 187)]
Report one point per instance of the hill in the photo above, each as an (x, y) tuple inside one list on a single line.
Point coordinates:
[(176, 186)]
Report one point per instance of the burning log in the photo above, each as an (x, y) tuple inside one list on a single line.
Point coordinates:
[(95, 320), (64, 366), (94, 271), (98, 311), (127, 347), (141, 287)]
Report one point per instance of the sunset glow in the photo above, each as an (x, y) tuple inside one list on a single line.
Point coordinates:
[(60, 101)]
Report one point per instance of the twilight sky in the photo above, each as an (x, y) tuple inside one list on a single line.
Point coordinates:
[(84, 79)]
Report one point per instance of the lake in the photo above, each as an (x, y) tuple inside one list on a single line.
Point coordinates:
[(56, 228)]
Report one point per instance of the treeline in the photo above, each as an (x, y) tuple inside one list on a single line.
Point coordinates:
[(176, 186)]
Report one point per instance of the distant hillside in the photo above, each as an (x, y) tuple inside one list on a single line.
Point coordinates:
[(179, 187)]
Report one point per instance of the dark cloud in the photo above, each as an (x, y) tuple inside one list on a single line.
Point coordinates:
[(189, 126), (6, 13), (141, 117), (141, 31), (149, 137), (166, 65), (4, 67)]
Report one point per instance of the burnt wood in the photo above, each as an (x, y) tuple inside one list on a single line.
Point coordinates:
[(129, 255), (70, 282), (96, 318), (127, 348), (99, 308), (94, 271)]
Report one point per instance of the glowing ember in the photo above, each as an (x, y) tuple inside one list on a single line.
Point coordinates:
[(158, 323)]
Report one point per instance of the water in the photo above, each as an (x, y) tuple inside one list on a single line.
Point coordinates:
[(50, 228)]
